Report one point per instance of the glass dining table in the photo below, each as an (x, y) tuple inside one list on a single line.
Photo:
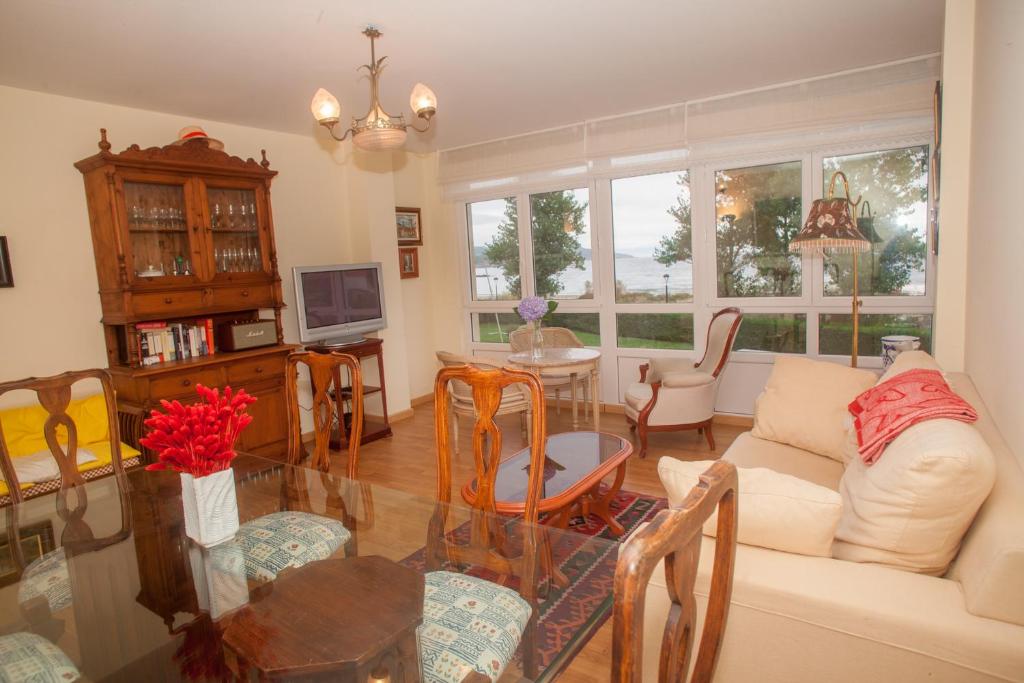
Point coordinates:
[(107, 582)]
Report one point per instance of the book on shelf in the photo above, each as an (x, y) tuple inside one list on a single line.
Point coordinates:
[(160, 342)]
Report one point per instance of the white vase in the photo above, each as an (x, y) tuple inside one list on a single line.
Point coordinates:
[(211, 510), (219, 577)]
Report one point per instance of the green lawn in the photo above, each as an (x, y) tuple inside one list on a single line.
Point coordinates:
[(489, 333)]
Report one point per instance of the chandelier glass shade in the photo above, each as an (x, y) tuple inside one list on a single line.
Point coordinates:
[(377, 130)]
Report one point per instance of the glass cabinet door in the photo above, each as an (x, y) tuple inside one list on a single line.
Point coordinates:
[(235, 227), (158, 234)]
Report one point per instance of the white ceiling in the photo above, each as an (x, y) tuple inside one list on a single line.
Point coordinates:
[(498, 68)]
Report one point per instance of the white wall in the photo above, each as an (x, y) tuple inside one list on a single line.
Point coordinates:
[(433, 301), (995, 285), (951, 271)]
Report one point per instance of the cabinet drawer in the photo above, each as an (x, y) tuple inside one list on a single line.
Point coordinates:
[(168, 303), (244, 296), (255, 370), (181, 384)]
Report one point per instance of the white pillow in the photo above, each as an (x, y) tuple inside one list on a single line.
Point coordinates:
[(41, 465), (912, 507), (805, 402), (774, 510)]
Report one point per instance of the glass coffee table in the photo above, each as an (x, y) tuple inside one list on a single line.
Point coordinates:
[(576, 463)]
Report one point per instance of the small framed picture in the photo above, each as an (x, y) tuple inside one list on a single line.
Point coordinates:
[(408, 225), (6, 277), (408, 262)]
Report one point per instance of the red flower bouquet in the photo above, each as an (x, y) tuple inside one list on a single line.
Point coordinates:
[(198, 439)]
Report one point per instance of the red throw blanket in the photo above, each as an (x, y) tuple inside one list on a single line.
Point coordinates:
[(882, 412)]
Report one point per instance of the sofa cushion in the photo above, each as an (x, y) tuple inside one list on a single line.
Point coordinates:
[(805, 401), (911, 508), (774, 510), (749, 451)]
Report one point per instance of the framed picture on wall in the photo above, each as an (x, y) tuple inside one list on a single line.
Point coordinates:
[(408, 225), (6, 277), (408, 262)]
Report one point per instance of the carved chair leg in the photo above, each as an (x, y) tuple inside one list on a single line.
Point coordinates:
[(709, 436), (642, 431)]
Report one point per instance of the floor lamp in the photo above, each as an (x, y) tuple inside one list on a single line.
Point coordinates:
[(831, 228)]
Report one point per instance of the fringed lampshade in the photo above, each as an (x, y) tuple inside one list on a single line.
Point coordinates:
[(830, 226)]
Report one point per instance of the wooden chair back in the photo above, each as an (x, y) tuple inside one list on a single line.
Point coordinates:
[(325, 378), (54, 395), (675, 536), (487, 531), (721, 334)]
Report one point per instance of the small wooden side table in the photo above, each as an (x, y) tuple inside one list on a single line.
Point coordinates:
[(334, 620), (373, 427)]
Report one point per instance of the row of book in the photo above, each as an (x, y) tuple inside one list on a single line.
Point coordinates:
[(161, 342)]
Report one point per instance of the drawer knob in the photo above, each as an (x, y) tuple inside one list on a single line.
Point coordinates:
[(245, 292), (168, 300), (259, 369), (186, 382)]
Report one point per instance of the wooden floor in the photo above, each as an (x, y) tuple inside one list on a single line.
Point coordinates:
[(406, 461)]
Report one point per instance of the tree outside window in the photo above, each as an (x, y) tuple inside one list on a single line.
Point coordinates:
[(894, 184), (758, 211)]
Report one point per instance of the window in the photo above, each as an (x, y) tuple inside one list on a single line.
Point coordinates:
[(652, 238), (654, 330), (892, 215), (757, 212), (835, 331), (560, 232), (494, 327), (775, 332), (586, 326), (494, 249)]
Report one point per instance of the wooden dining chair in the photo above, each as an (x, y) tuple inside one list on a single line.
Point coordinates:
[(294, 534), (60, 432), (675, 537), (507, 618)]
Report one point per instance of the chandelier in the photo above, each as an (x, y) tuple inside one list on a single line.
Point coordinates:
[(377, 130)]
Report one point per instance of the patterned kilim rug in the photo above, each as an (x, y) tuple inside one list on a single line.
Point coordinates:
[(570, 616)]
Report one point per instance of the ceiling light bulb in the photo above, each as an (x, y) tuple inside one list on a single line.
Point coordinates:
[(325, 106), (423, 100)]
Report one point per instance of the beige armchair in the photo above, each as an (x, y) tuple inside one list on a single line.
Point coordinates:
[(675, 394), (555, 337), (515, 398)]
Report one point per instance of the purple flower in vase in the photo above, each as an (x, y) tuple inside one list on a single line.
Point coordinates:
[(532, 308)]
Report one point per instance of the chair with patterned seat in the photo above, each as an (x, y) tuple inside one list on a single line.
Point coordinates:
[(460, 396), (295, 535), (506, 619), (677, 394), (30, 657), (672, 543)]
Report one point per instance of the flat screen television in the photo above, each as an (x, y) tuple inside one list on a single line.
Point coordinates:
[(337, 304)]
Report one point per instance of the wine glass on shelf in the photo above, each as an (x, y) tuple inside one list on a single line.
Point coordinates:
[(253, 223)]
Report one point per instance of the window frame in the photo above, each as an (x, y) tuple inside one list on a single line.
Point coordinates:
[(597, 179)]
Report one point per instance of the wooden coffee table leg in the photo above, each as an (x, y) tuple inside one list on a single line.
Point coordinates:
[(601, 505), (560, 520), (572, 394), (594, 382)]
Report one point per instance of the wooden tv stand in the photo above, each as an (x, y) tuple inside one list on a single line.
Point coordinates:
[(374, 426)]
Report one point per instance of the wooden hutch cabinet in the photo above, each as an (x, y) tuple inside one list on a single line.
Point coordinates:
[(183, 235)]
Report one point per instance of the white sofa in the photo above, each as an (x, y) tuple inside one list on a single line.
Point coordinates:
[(800, 618)]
